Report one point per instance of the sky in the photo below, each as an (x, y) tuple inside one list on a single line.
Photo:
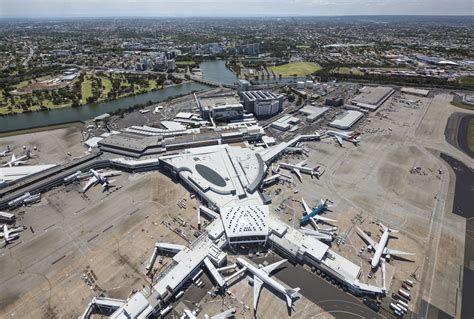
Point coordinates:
[(230, 8)]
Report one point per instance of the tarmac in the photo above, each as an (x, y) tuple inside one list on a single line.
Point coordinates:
[(395, 177)]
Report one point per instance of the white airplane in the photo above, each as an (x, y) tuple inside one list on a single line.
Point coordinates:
[(380, 247), (5, 152), (301, 168), (10, 234), (352, 137), (100, 178), (262, 276), (18, 161)]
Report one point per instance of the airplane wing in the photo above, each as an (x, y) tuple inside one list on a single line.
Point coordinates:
[(91, 182), (110, 173), (302, 163), (298, 173), (257, 287), (388, 251), (307, 210), (325, 219), (270, 268), (366, 238), (339, 139)]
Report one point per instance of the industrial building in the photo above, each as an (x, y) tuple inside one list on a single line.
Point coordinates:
[(371, 98), (334, 102), (285, 123), (138, 141), (313, 113), (414, 91), (262, 103), (224, 107), (347, 119)]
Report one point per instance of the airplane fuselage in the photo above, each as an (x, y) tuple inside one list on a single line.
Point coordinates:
[(303, 169), (380, 249), (306, 218), (262, 276)]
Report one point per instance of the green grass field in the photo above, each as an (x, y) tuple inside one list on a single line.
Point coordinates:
[(86, 90), (7, 107), (466, 81), (470, 135), (346, 70), (298, 68)]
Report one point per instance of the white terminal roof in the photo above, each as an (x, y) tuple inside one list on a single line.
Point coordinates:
[(222, 174), (16, 172), (173, 126), (136, 307), (347, 119), (250, 220)]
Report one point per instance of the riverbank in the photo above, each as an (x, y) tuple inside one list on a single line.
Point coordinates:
[(87, 92), (74, 114)]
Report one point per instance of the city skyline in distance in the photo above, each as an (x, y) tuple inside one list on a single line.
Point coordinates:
[(225, 8)]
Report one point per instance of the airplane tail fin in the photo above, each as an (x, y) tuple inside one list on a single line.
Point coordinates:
[(292, 292), (385, 228)]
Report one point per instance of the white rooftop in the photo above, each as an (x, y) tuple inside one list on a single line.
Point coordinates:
[(222, 174), (173, 126), (136, 307), (250, 220), (347, 119), (16, 172)]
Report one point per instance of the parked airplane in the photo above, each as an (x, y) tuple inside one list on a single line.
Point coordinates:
[(262, 276), (301, 168), (380, 247), (5, 152), (9, 234), (312, 215), (100, 178), (17, 161), (348, 136)]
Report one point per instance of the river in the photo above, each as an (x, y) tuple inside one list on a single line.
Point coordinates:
[(214, 71), (86, 112)]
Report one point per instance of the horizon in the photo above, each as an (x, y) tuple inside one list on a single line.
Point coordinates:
[(226, 9)]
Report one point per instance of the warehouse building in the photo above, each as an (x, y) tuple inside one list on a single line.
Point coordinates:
[(313, 113), (372, 98), (346, 120)]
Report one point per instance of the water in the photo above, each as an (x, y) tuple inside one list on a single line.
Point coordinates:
[(86, 112), (216, 71)]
